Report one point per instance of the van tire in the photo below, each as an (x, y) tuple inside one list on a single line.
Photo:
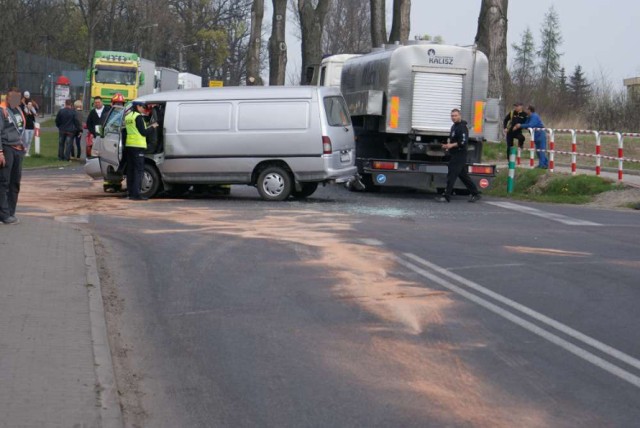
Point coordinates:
[(308, 189), (274, 183), (151, 181)]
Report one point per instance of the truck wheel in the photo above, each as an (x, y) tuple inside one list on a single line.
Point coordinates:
[(307, 190), (274, 184), (150, 181)]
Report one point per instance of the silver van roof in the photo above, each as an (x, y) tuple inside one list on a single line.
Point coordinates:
[(239, 93)]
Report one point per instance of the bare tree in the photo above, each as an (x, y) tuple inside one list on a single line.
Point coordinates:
[(347, 27), (91, 11), (277, 44), (401, 25), (311, 25), (378, 23), (255, 43), (491, 39)]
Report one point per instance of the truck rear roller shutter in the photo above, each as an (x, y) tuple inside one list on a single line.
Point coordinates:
[(434, 96)]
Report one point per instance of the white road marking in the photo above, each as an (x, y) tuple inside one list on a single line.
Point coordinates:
[(372, 242), (544, 214), (530, 312), (568, 346)]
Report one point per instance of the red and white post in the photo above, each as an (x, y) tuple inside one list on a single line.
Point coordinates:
[(620, 156), (532, 149), (37, 138), (552, 150), (574, 152), (598, 153)]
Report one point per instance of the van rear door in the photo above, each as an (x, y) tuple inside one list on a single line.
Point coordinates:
[(339, 131)]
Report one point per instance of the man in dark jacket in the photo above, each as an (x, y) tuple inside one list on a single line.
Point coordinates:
[(68, 127), (97, 116), (515, 117), (12, 125), (457, 148)]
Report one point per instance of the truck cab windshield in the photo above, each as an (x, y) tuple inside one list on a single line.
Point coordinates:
[(116, 75)]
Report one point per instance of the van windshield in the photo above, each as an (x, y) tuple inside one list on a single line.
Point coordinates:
[(337, 114)]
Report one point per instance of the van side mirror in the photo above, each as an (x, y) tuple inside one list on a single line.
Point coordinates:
[(100, 131)]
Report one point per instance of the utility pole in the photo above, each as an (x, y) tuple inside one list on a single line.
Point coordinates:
[(181, 55)]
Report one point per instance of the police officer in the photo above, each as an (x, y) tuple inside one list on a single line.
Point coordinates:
[(136, 145), (457, 148)]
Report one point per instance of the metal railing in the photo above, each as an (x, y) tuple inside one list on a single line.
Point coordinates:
[(574, 154)]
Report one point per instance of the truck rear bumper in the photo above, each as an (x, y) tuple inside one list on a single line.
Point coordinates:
[(424, 175)]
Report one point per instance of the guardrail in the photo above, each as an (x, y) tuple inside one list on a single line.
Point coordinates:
[(597, 154)]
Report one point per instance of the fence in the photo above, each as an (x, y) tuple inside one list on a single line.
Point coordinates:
[(614, 150)]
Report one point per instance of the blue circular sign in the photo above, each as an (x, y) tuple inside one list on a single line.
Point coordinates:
[(381, 178)]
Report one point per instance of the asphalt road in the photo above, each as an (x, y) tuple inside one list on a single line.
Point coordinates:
[(367, 309)]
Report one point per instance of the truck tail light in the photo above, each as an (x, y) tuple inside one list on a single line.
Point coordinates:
[(384, 165), (326, 146), (481, 169)]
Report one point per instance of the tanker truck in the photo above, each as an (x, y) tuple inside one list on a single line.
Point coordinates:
[(400, 99)]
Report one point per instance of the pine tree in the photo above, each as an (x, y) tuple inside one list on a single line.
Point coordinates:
[(548, 54), (524, 70), (579, 88), (563, 86)]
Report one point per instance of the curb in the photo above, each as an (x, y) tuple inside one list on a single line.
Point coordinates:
[(110, 412)]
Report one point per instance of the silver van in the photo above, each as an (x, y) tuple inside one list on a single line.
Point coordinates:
[(282, 140)]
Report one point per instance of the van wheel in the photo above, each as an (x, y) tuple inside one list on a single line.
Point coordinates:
[(274, 184), (150, 182), (307, 190)]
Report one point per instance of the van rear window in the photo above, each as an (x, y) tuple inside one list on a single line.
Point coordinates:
[(337, 114)]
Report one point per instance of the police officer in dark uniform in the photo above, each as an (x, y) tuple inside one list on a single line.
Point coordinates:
[(515, 117), (457, 148), (135, 147)]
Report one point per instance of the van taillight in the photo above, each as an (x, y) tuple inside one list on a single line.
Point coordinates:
[(326, 146)]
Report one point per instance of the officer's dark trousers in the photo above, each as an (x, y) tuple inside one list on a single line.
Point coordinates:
[(10, 175), (458, 169), (510, 137), (135, 170)]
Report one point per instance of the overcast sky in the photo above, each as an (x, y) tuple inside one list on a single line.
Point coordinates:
[(602, 36)]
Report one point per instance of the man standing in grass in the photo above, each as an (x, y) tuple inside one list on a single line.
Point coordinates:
[(540, 136), (68, 127)]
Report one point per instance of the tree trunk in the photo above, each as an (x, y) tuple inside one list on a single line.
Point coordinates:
[(491, 39), (255, 44), (401, 25), (311, 25), (277, 44), (378, 23)]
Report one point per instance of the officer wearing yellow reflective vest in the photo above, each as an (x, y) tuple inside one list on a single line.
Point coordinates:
[(135, 146)]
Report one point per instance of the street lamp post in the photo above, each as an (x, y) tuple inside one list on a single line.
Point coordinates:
[(144, 27), (180, 55)]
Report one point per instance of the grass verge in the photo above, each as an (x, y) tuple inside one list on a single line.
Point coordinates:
[(48, 157), (539, 186)]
